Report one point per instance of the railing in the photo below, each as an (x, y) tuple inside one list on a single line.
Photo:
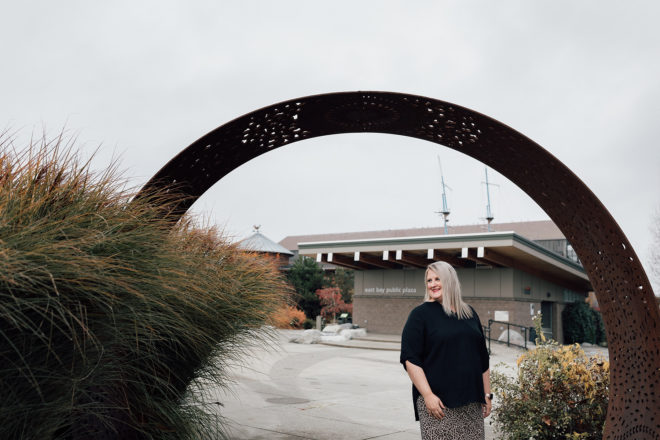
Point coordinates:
[(509, 326)]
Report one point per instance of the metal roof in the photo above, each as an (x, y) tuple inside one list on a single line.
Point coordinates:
[(533, 230), (258, 242), (490, 249)]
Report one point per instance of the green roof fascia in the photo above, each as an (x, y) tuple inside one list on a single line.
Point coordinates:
[(397, 241)]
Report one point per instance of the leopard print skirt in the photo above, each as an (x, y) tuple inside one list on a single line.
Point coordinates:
[(464, 423)]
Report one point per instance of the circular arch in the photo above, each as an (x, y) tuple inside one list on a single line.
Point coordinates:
[(624, 293)]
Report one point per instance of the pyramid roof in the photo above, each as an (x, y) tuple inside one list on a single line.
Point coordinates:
[(258, 242)]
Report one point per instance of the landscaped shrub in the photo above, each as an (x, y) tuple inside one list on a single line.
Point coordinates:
[(332, 303), (579, 323), (288, 317), (557, 393), (111, 316), (601, 337)]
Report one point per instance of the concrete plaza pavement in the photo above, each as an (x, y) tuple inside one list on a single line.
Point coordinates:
[(356, 390)]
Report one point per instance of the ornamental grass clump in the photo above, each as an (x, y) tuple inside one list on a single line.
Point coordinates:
[(112, 316), (558, 393)]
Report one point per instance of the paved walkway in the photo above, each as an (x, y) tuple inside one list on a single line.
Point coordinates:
[(355, 390)]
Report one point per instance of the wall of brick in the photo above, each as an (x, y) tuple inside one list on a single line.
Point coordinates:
[(383, 315), (388, 315), (384, 298)]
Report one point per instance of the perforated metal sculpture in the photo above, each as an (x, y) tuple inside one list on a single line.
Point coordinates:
[(624, 293)]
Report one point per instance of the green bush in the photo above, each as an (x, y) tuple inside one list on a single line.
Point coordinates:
[(557, 393), (306, 277), (309, 323), (111, 316), (579, 323), (601, 337)]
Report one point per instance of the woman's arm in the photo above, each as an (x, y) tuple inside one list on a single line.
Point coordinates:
[(433, 403), (489, 403)]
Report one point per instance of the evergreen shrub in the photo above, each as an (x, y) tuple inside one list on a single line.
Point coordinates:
[(579, 323), (601, 337), (112, 318)]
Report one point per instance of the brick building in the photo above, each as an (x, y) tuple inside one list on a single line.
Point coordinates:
[(508, 274)]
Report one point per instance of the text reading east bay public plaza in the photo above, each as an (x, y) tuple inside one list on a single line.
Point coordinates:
[(401, 290)]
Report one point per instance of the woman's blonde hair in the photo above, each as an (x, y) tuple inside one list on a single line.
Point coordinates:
[(451, 289)]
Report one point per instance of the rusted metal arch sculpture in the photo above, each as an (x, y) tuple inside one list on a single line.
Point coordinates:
[(624, 293)]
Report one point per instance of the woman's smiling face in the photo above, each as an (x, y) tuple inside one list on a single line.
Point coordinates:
[(433, 286)]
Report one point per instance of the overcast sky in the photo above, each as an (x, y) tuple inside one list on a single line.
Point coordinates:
[(144, 79)]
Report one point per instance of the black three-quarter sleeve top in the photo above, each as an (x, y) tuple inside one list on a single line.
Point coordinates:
[(451, 351)]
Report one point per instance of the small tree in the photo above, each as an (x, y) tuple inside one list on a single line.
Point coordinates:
[(332, 303), (306, 277), (344, 279)]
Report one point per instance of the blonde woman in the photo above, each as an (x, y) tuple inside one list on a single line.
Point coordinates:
[(443, 349)]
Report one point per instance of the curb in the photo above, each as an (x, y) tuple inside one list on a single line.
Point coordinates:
[(366, 347)]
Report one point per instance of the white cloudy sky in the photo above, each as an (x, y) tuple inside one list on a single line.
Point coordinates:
[(144, 79)]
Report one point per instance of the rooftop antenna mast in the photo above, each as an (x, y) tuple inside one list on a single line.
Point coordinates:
[(445, 210), (489, 212)]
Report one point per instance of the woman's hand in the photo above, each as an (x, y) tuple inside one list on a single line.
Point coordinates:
[(434, 406), (487, 407)]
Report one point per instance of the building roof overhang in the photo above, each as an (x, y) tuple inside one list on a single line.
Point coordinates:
[(477, 250)]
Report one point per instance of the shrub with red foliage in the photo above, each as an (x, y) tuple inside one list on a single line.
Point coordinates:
[(332, 302)]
